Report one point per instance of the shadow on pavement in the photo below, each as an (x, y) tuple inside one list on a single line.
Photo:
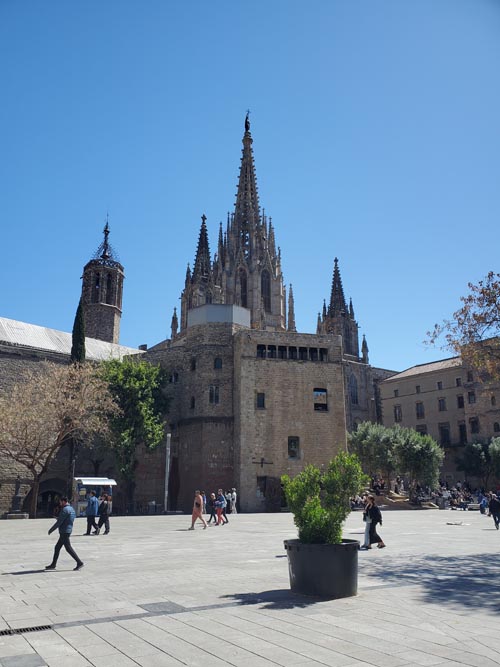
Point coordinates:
[(275, 599), (28, 572), (472, 581)]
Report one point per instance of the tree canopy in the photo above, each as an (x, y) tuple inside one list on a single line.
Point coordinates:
[(474, 329), (49, 406)]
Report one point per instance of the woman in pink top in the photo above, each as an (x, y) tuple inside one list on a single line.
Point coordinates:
[(197, 510)]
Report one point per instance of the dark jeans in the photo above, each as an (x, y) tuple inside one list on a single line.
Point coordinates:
[(496, 519), (64, 541), (91, 524), (104, 520), (212, 516)]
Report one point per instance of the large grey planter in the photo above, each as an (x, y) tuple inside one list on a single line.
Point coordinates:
[(323, 570)]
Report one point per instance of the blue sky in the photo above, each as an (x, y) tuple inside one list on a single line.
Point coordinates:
[(376, 140)]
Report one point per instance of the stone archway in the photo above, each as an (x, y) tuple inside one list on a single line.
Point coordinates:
[(49, 492)]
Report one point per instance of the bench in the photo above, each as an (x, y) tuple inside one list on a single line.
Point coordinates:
[(473, 506)]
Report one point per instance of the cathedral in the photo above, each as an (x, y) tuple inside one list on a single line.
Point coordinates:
[(251, 398)]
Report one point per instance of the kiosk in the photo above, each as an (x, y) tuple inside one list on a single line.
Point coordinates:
[(84, 485)]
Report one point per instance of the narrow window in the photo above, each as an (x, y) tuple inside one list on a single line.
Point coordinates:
[(458, 382), (109, 289), (97, 287), (320, 398), (398, 413), (471, 397), (420, 410), (217, 363), (243, 288), (460, 401), (292, 353), (261, 351), (493, 401), (192, 403), (293, 447), (193, 364), (462, 433), (261, 401), (213, 394), (439, 385), (496, 427), (353, 390), (323, 354), (442, 404), (174, 378), (470, 376), (444, 433), (303, 353), (474, 425), (281, 352), (417, 389), (265, 290), (396, 393), (271, 351), (313, 354)]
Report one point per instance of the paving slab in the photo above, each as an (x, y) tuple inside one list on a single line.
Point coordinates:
[(153, 594)]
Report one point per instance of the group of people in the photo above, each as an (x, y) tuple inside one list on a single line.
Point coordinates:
[(218, 505), (97, 508)]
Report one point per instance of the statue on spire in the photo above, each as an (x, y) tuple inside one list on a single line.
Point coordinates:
[(247, 121)]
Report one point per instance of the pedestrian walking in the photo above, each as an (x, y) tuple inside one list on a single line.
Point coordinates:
[(220, 504), (494, 509), (197, 510), (367, 521), (211, 509), (233, 501), (64, 524), (91, 513), (375, 515), (104, 511)]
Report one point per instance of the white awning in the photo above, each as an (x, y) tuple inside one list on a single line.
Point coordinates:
[(95, 481)]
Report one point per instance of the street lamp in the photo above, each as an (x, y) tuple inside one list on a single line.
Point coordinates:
[(167, 471)]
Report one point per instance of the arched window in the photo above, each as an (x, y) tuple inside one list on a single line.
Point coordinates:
[(96, 288), (493, 400), (192, 402), (265, 290), (217, 363), (496, 427), (353, 390), (109, 288), (242, 277)]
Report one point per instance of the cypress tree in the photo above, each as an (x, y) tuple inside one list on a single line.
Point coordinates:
[(78, 337)]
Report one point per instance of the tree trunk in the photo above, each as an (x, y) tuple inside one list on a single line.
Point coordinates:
[(34, 497)]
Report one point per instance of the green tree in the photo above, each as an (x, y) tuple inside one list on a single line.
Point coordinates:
[(419, 457), (481, 460), (78, 337), (138, 388), (494, 452), (474, 330), (374, 445)]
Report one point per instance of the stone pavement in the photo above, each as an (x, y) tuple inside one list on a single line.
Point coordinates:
[(154, 594)]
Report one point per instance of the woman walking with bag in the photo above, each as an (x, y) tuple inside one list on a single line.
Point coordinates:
[(103, 515), (373, 513)]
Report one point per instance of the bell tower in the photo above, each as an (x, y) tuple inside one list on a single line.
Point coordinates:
[(102, 291)]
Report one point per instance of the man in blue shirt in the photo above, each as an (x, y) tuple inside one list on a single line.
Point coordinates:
[(91, 512), (65, 524)]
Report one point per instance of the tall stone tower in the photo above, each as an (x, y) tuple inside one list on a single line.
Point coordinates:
[(338, 318), (102, 291), (246, 270)]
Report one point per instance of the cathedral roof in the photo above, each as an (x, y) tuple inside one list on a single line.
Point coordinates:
[(22, 334)]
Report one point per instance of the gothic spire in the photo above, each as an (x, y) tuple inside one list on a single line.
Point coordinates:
[(291, 311), (202, 265), (337, 299), (246, 212), (174, 324), (351, 310), (364, 350)]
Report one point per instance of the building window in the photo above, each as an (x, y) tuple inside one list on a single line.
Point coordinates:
[(353, 390), (470, 376), (174, 378), (420, 410), (493, 401), (303, 353), (97, 287), (398, 413), (265, 288), (417, 389), (292, 353), (109, 289), (442, 404), (271, 351), (261, 401), (261, 351), (396, 393), (444, 433), (313, 354), (293, 447), (320, 399), (496, 427), (192, 403), (462, 433), (460, 401), (281, 352), (421, 428), (471, 397), (193, 364), (243, 288), (458, 382), (323, 354), (474, 425), (439, 385), (213, 394), (217, 363)]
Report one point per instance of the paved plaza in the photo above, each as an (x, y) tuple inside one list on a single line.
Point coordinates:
[(154, 594)]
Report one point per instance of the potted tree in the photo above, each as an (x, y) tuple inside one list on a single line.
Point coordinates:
[(320, 562)]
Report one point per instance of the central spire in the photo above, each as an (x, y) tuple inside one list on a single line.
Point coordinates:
[(246, 212), (337, 299)]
